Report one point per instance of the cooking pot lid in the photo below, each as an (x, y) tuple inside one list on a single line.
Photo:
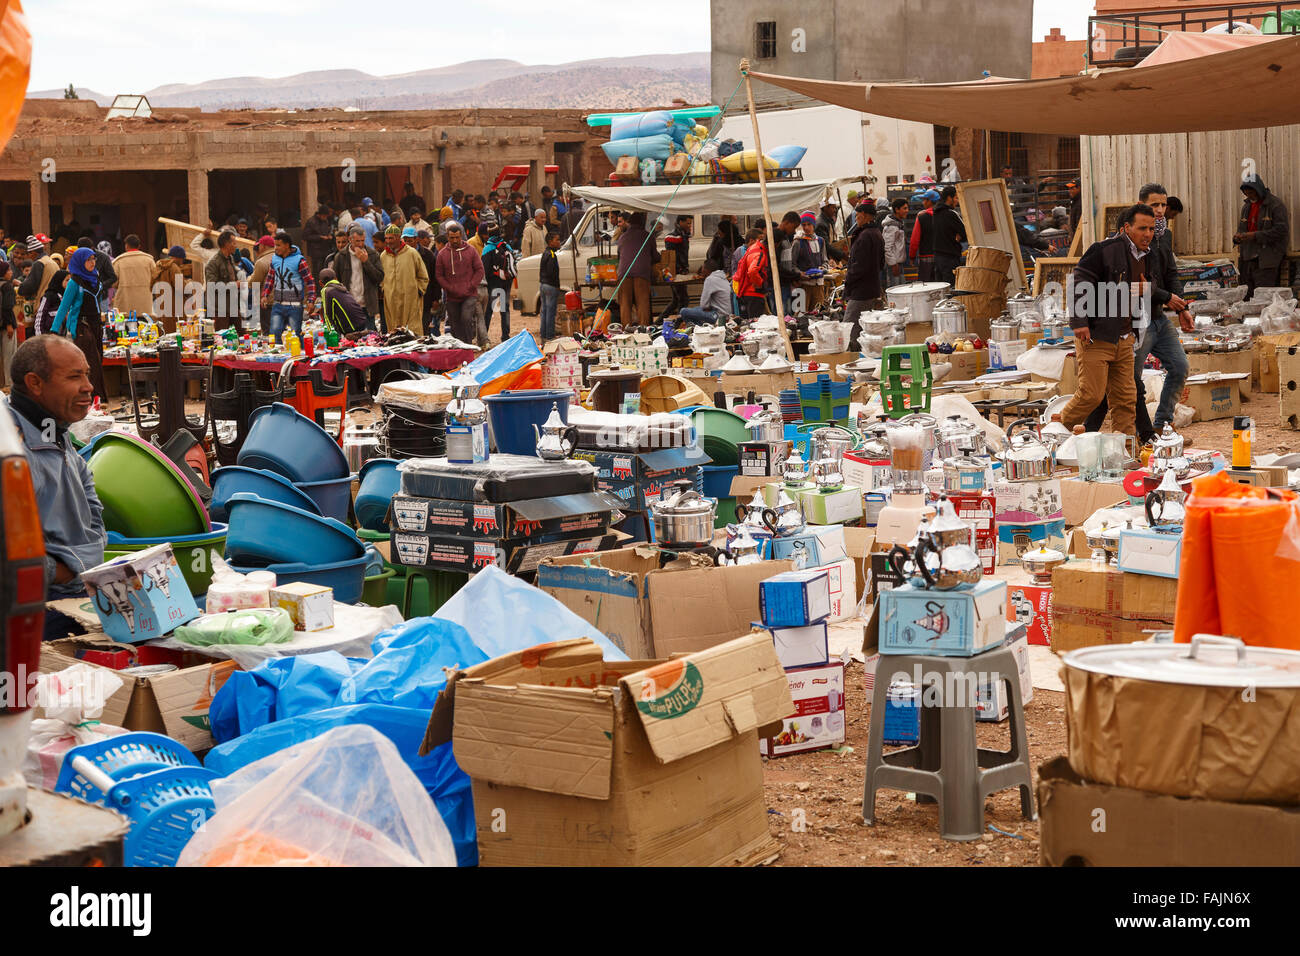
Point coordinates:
[(685, 502), (1042, 556), (1207, 662)]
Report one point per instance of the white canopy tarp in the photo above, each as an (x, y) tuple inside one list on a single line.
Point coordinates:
[(718, 199)]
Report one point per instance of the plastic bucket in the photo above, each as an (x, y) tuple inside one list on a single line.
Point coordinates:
[(332, 497), (378, 482), (283, 441), (513, 414), (232, 479), (717, 480), (374, 590), (347, 578)]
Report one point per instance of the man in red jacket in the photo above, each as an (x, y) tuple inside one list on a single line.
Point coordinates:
[(459, 271), (921, 246), (753, 275)]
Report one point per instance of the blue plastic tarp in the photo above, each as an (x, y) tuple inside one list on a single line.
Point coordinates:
[(504, 614), (510, 356)]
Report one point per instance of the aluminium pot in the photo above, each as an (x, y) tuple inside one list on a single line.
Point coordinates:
[(1004, 329), (957, 436), (1023, 307), (918, 298), (949, 316), (684, 519), (766, 427)]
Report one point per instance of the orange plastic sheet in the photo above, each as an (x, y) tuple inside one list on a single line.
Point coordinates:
[(15, 65), (1240, 571)]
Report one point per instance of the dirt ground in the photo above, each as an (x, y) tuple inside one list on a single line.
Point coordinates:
[(827, 787)]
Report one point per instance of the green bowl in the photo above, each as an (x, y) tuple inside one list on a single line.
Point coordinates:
[(720, 431), (194, 554), (143, 494)]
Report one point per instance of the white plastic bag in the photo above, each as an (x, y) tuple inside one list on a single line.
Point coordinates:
[(345, 798), (73, 700)]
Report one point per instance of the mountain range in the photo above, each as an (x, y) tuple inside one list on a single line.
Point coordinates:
[(613, 83)]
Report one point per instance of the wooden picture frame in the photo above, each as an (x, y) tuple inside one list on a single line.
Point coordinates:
[(986, 212), (1110, 214), (1053, 270)]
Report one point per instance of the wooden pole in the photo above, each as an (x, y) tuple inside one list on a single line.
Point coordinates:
[(767, 213)]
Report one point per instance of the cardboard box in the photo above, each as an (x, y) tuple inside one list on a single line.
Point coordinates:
[(1143, 551), (986, 545), (917, 332), (832, 507), (858, 545), (795, 598), (966, 365), (1268, 353), (1288, 362), (536, 519), (842, 583), (763, 458), (1003, 355), (980, 510), (576, 761), (1031, 605), (816, 546), (140, 596), (1023, 502), (1234, 363), (883, 575), (648, 611), (1151, 829), (1096, 605), (1214, 398), (175, 703), (639, 481), (869, 474), (818, 720), (310, 606), (992, 703), (801, 646), (902, 717), (1269, 476), (943, 623), (454, 553), (1067, 384), (1015, 538), (1080, 499)]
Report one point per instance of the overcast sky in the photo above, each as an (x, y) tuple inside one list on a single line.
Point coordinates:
[(132, 46)]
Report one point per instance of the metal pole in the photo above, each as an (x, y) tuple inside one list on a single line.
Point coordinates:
[(767, 213)]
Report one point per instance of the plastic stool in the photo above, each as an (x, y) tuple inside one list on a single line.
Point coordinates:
[(906, 380), (312, 396), (947, 765)]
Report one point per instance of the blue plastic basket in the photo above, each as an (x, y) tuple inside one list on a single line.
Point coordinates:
[(153, 781)]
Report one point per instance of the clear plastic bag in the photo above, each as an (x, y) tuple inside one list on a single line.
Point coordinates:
[(345, 798), (264, 625)]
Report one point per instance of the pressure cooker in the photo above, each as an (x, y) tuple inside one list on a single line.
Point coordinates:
[(684, 519), (1004, 329), (957, 435), (949, 316)]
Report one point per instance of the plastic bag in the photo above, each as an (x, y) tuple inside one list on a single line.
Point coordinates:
[(512, 356), (73, 700), (279, 688), (271, 625), (442, 779), (504, 614), (344, 798)]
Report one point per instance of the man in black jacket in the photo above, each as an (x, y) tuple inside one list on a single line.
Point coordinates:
[(1109, 294), (422, 244), (1263, 231), (948, 235), (358, 270), (866, 259), (1161, 336)]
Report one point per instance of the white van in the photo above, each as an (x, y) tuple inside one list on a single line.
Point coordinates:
[(706, 205)]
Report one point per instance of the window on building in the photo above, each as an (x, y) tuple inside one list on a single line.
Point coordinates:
[(765, 40)]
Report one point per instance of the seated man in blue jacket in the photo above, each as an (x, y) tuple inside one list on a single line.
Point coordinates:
[(52, 390)]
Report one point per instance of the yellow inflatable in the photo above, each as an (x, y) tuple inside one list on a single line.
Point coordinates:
[(746, 161), (15, 66)]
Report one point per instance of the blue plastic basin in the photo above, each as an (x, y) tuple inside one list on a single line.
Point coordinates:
[(331, 498), (234, 479), (270, 532), (290, 444), (717, 480), (347, 578), (513, 413), (379, 481)]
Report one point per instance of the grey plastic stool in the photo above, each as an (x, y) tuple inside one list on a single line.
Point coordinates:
[(947, 765)]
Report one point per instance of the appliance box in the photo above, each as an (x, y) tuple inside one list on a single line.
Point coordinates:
[(959, 623), (818, 721), (795, 598)]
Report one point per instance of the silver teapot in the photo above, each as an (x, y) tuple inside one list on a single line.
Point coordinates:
[(742, 549), (466, 408), (827, 474), (795, 471), (556, 440), (1165, 506), (785, 517)]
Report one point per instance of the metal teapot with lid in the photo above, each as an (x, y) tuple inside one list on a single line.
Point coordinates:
[(556, 440), (751, 515), (1168, 445), (742, 549), (1026, 456), (466, 408), (795, 471), (1165, 506)]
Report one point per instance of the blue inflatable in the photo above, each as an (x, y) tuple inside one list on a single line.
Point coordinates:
[(641, 124), (642, 147)]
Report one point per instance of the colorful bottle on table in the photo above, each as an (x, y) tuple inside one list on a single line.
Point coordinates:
[(1243, 441)]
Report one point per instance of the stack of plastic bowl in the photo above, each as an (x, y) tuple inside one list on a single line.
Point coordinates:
[(295, 545), (282, 441)]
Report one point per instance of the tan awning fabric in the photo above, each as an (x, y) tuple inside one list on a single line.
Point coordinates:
[(1246, 88), (1187, 46)]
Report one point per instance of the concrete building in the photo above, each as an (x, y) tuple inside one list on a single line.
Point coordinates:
[(926, 41), (67, 162)]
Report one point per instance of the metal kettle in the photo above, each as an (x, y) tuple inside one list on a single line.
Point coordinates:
[(556, 440), (1165, 506), (742, 549)]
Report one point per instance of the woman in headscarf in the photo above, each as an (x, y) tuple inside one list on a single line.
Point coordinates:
[(78, 315)]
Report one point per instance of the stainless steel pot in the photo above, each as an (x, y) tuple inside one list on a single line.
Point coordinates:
[(1024, 309), (1041, 562), (684, 519), (1056, 328), (1004, 329), (918, 298), (963, 475), (829, 442), (766, 426), (957, 435), (949, 316)]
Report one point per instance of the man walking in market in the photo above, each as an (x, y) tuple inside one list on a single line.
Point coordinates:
[(289, 288), (1263, 230), (405, 280), (1161, 336), (1109, 296), (921, 243), (947, 235), (866, 260), (459, 272)]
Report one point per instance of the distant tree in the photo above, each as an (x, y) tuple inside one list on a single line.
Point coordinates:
[(70, 93)]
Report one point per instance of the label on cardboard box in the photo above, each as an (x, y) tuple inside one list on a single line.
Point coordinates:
[(1031, 605), (991, 700), (1024, 502), (818, 721)]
